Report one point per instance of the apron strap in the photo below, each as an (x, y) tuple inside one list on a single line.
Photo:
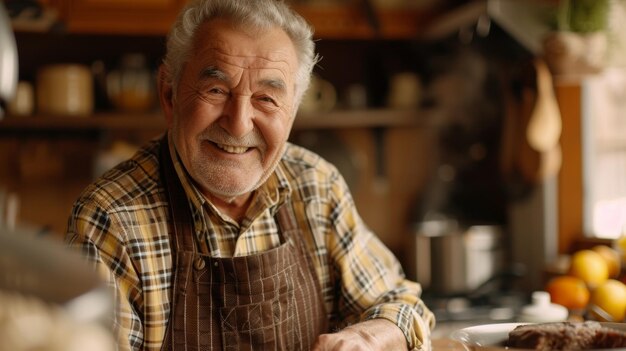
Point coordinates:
[(286, 220), (288, 226), (182, 237)]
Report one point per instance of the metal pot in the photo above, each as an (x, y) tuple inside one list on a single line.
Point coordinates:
[(450, 259)]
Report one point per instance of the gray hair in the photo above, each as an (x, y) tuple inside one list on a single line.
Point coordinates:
[(250, 14)]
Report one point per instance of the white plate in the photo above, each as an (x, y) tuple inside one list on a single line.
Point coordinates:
[(494, 335), (485, 335)]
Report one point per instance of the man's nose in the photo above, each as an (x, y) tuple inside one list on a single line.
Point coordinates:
[(237, 116)]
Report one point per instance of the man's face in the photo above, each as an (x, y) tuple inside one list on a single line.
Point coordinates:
[(234, 107)]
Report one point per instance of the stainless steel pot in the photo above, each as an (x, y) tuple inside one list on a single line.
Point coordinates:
[(451, 259)]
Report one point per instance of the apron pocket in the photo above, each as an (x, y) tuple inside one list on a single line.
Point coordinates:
[(251, 292), (267, 325)]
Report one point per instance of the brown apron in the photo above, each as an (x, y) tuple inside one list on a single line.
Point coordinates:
[(266, 301)]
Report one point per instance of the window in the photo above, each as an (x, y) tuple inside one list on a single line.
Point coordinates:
[(604, 154)]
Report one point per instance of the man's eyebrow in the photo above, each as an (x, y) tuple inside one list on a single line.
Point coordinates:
[(214, 73), (274, 83)]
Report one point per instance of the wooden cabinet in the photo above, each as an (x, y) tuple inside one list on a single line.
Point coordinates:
[(154, 17), (357, 22), (136, 17)]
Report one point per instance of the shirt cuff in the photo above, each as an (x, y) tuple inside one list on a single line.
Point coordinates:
[(415, 329)]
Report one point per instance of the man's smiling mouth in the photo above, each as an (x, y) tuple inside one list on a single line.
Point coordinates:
[(232, 149)]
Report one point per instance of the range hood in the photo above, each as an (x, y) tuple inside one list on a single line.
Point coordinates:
[(526, 21), (532, 222)]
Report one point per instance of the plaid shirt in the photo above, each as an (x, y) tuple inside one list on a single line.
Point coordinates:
[(121, 223)]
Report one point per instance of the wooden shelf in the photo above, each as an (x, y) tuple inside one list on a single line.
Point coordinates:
[(104, 121), (369, 118)]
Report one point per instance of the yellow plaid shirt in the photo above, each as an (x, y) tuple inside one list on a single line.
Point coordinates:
[(120, 222)]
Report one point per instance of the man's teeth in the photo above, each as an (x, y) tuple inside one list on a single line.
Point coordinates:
[(232, 149)]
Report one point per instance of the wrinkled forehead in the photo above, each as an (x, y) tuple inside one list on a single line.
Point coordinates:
[(220, 42)]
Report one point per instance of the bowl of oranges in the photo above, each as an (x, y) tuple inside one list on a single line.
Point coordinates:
[(592, 286)]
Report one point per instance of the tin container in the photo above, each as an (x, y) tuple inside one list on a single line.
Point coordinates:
[(65, 89)]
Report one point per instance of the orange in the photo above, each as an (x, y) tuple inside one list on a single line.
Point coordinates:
[(610, 296), (568, 291), (589, 266), (612, 258)]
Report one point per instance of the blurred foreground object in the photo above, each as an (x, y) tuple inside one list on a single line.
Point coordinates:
[(27, 323), (50, 298)]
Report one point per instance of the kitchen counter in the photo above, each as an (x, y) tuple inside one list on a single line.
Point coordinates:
[(441, 335), (446, 344)]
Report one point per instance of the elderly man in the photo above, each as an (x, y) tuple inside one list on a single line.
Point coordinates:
[(223, 235)]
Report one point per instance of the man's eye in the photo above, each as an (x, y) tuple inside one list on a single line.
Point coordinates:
[(217, 91), (267, 99)]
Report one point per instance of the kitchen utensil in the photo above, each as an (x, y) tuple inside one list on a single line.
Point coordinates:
[(453, 259), (544, 128), (65, 89), (601, 313)]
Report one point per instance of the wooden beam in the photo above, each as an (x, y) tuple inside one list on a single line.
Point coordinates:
[(570, 190)]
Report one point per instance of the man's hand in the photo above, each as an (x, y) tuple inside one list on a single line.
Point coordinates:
[(372, 335)]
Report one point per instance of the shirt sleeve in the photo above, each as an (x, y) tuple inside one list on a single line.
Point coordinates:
[(91, 230), (373, 284)]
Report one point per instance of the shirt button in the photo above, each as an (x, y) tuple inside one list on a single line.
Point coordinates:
[(198, 263)]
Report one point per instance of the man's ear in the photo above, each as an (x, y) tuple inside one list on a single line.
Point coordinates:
[(166, 95)]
